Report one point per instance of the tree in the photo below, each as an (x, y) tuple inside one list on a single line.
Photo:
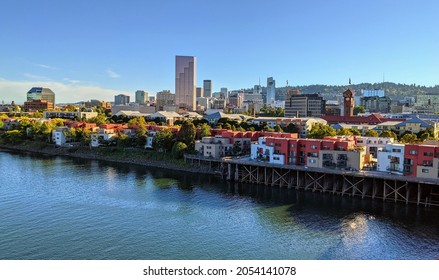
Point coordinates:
[(355, 132), (344, 131), (12, 137), (204, 130), (277, 128), (389, 134), (318, 131), (70, 108), (358, 110), (98, 120), (409, 138), (163, 140), (292, 128), (178, 149), (123, 141), (187, 133), (371, 133), (267, 129), (1, 124)]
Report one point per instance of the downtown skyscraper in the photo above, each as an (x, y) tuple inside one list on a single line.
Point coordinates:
[(185, 82)]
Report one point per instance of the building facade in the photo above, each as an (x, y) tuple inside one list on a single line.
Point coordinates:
[(142, 97), (199, 92), (121, 99), (38, 105), (271, 90), (185, 82), (376, 104), (39, 93), (304, 105), (348, 103), (164, 98), (207, 88)]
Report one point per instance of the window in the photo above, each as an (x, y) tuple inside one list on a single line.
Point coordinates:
[(428, 154), (413, 152), (313, 147), (312, 161), (292, 145), (276, 158), (277, 144), (425, 170), (396, 150)]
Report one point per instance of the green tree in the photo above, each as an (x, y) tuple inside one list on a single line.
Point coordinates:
[(1, 124), (98, 120), (277, 128), (359, 110), (123, 141), (70, 108), (292, 128), (187, 133), (389, 134), (268, 129), (178, 149), (163, 140), (344, 131), (318, 131), (355, 132), (204, 130), (12, 137), (371, 133), (409, 138)]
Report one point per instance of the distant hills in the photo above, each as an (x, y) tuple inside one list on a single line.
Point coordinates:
[(393, 90)]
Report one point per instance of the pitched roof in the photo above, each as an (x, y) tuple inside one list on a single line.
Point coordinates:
[(371, 119), (417, 120)]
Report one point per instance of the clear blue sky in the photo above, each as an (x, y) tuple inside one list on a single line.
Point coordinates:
[(97, 49)]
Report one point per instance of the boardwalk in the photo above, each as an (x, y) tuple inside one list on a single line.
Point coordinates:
[(364, 184)]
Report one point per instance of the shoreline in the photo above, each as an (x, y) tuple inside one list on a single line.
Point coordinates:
[(115, 155)]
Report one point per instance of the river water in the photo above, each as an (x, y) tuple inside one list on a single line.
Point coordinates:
[(62, 208)]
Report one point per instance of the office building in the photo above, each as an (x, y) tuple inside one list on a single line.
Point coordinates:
[(199, 92), (207, 87), (164, 98), (121, 99), (39, 93), (37, 105), (224, 93), (271, 90), (142, 97), (376, 104), (185, 80), (304, 105)]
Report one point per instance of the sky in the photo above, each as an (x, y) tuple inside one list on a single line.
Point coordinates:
[(86, 49)]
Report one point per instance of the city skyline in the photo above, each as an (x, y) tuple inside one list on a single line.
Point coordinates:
[(113, 49)]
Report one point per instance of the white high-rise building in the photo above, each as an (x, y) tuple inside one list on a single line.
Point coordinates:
[(185, 82), (271, 90)]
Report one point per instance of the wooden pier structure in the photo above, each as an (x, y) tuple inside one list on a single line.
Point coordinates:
[(367, 184)]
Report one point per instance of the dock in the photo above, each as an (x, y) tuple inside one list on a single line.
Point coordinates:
[(365, 184)]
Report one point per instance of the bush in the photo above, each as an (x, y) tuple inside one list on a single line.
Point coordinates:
[(178, 150)]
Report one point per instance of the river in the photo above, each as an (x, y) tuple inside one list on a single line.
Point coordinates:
[(62, 208)]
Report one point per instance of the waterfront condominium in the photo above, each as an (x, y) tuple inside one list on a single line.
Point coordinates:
[(185, 82)]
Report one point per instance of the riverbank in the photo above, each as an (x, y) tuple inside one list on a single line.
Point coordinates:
[(111, 154)]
